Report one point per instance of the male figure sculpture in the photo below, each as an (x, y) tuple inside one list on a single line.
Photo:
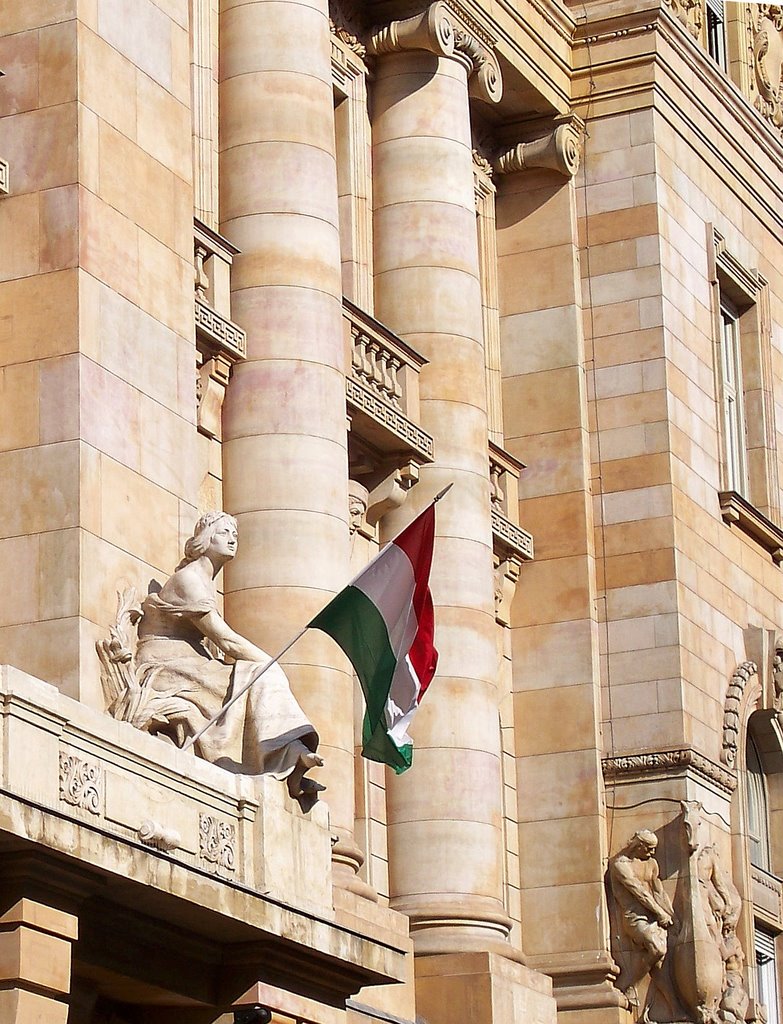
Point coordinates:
[(646, 911)]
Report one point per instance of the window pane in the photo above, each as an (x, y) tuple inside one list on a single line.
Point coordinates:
[(733, 415), (766, 968), (758, 814)]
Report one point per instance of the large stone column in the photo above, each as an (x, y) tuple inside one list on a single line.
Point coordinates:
[(284, 423), (427, 290)]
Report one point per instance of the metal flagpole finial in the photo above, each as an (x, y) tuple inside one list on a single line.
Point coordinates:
[(443, 493)]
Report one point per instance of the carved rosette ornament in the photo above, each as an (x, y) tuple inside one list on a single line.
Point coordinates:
[(559, 151), (441, 31), (768, 63)]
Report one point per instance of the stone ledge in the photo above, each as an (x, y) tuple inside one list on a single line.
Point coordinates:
[(738, 511), (272, 896)]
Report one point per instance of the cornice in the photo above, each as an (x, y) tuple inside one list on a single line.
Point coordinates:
[(730, 135), (636, 765)]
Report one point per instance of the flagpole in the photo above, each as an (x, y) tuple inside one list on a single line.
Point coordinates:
[(273, 661)]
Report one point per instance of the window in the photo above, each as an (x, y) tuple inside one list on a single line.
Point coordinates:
[(766, 973), (716, 32), (733, 403), (749, 490), (758, 814)]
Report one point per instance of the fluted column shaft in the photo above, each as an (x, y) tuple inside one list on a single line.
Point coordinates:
[(427, 289), (284, 451)]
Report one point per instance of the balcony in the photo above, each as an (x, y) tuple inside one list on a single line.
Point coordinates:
[(510, 540), (219, 341)]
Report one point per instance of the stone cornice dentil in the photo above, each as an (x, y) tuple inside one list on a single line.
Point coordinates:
[(559, 151), (440, 30)]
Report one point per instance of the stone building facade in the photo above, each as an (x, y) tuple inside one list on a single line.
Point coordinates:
[(309, 263)]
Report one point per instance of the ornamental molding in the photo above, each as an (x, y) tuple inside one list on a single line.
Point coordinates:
[(732, 707), (385, 414), (767, 51), (216, 842), (446, 30), (219, 333), (560, 150), (669, 760), (80, 783), (508, 538), (5, 178)]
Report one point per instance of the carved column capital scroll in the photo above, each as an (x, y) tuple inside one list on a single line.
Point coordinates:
[(559, 151), (442, 32)]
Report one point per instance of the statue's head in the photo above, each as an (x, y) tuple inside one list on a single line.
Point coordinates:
[(205, 532), (644, 843)]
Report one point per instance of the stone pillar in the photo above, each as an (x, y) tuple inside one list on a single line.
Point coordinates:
[(284, 451), (35, 963), (427, 290)]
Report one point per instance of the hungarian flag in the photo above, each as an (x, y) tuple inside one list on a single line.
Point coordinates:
[(384, 622)]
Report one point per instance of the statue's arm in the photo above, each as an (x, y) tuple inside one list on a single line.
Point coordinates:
[(638, 888), (662, 898), (215, 628)]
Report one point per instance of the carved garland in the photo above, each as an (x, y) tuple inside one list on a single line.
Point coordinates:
[(768, 63), (669, 760), (731, 711)]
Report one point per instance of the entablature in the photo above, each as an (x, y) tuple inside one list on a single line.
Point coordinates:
[(223, 866)]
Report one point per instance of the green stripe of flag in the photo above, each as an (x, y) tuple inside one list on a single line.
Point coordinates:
[(355, 623)]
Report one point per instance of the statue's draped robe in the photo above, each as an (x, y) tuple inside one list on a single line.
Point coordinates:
[(258, 732)]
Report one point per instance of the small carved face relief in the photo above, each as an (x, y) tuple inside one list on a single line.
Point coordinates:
[(224, 539)]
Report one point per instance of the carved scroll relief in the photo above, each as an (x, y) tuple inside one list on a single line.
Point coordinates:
[(768, 63), (80, 783), (217, 843)]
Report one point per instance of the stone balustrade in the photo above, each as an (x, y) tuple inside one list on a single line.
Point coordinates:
[(508, 535)]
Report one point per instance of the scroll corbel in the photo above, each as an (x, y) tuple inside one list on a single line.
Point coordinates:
[(432, 30), (560, 150), (392, 491)]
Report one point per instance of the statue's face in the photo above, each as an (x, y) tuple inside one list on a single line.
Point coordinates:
[(224, 540)]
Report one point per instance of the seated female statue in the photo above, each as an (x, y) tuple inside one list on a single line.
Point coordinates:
[(265, 730)]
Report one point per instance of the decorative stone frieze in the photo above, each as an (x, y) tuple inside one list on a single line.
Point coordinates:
[(216, 842), (731, 711), (690, 13), (560, 150), (446, 33), (411, 435), (768, 62), (669, 760), (80, 783), (345, 25)]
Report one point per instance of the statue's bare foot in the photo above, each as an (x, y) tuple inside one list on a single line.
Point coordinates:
[(298, 785)]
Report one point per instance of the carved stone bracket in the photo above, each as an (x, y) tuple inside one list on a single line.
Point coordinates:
[(506, 579), (153, 834), (669, 760), (768, 63), (731, 711), (217, 842), (442, 31), (80, 783), (560, 150)]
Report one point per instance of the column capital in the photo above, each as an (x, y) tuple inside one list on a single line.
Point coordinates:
[(440, 30), (560, 150)]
